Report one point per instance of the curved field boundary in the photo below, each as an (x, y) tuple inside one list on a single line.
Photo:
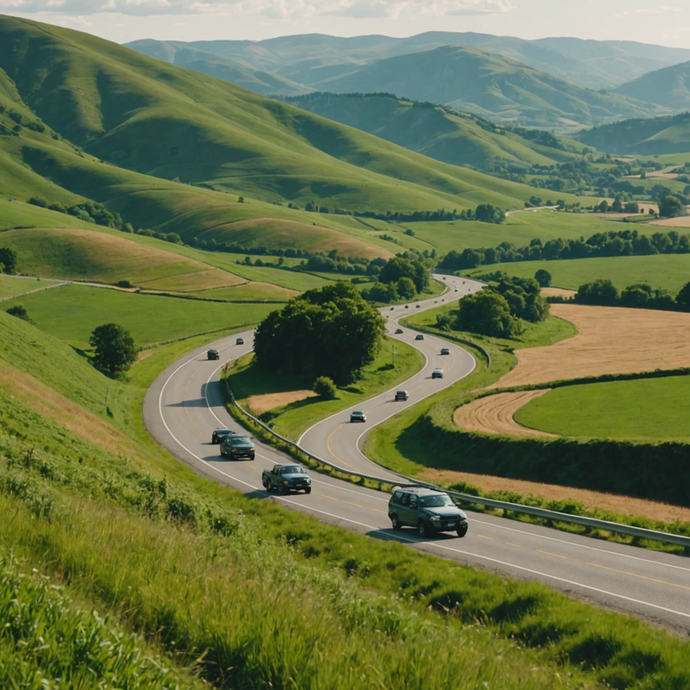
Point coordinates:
[(494, 414)]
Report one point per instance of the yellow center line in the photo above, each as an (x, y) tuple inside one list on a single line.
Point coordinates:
[(481, 536), (186, 411), (555, 555), (330, 450), (356, 505), (333, 498), (642, 577), (510, 543), (378, 510)]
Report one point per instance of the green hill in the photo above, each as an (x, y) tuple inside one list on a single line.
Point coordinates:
[(185, 55), (655, 136), (493, 87), (438, 131), (668, 87), (109, 124), (312, 58)]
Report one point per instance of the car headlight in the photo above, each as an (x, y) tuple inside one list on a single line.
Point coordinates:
[(436, 518), (285, 481), (251, 450)]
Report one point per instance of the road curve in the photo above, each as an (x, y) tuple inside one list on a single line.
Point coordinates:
[(184, 405)]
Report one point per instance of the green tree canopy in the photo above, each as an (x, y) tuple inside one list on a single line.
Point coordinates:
[(543, 277), (683, 297), (8, 259), (332, 331), (115, 349), (669, 207), (488, 313), (19, 310), (598, 292), (399, 267)]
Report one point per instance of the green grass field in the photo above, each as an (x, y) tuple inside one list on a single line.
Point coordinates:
[(649, 410), (73, 311), (667, 271), (291, 420), (10, 285)]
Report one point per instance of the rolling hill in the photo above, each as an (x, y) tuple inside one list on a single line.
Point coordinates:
[(311, 59), (655, 136), (184, 55), (438, 131), (172, 150), (668, 87), (490, 86)]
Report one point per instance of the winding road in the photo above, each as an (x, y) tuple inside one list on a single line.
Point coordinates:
[(184, 405)]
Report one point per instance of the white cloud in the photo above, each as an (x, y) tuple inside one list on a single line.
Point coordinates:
[(272, 9)]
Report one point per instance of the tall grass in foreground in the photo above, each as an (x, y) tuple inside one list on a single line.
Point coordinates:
[(46, 641), (260, 597)]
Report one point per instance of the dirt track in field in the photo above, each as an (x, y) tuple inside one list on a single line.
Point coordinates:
[(494, 414), (610, 340), (591, 499), (258, 404)]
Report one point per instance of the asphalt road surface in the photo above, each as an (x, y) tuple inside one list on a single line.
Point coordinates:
[(184, 405)]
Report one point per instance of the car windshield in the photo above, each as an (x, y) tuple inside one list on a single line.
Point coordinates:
[(242, 440), (435, 501), (293, 469)]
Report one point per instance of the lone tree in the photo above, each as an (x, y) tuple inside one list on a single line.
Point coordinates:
[(543, 277), (669, 207), (8, 260), (19, 310), (330, 332), (115, 349)]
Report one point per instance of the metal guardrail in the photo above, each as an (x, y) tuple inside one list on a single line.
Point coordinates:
[(555, 516)]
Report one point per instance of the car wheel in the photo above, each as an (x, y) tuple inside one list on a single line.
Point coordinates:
[(269, 485), (284, 490), (251, 457), (422, 528), (462, 531), (307, 491), (395, 520)]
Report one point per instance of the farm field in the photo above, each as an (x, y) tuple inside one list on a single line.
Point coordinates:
[(604, 345), (10, 285), (72, 312), (649, 410), (666, 271), (518, 229)]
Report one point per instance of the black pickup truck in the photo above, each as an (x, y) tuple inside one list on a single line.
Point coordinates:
[(286, 478)]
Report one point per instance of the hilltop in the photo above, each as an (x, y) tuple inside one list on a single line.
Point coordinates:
[(493, 87), (656, 136), (439, 131), (668, 87)]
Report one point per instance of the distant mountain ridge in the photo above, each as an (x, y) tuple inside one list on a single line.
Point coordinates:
[(668, 87), (310, 58)]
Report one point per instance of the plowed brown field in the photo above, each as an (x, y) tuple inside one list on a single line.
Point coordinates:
[(494, 414)]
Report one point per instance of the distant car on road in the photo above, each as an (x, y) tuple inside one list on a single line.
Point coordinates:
[(239, 341), (437, 373), (445, 351), (398, 331), (358, 416), (407, 306), (392, 308), (237, 446), (213, 354), (219, 434), (419, 305), (286, 478), (402, 395), (419, 336), (428, 510)]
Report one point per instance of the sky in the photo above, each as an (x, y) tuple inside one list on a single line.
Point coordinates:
[(186, 20)]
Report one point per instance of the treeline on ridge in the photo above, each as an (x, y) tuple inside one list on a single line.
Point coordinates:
[(601, 244)]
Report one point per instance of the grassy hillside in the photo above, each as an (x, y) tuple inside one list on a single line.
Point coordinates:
[(135, 112), (184, 55), (312, 58), (493, 87), (669, 87), (439, 132), (655, 136)]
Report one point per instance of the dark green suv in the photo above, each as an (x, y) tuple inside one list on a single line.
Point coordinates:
[(428, 510), (237, 446)]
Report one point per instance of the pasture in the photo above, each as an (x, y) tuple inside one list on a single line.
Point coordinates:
[(648, 409)]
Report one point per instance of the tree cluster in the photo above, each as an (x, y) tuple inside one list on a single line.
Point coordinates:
[(612, 243), (88, 211), (399, 278), (115, 350), (8, 260), (500, 310), (332, 331)]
